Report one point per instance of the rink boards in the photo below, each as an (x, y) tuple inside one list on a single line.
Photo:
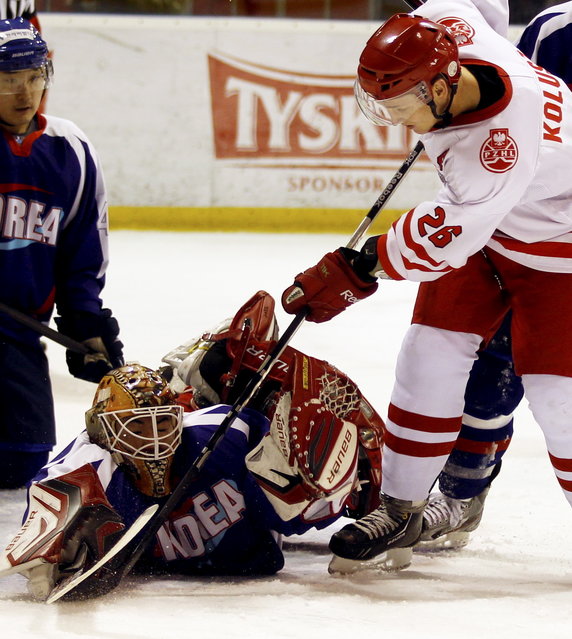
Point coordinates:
[(229, 124)]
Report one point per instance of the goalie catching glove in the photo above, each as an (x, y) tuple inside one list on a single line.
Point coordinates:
[(322, 453), (69, 527), (337, 281)]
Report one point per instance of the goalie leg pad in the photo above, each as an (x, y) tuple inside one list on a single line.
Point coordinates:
[(70, 523)]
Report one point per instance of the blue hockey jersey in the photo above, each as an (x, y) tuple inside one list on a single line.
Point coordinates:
[(225, 525), (53, 224), (546, 40)]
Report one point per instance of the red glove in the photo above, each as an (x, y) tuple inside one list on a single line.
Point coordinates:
[(327, 288)]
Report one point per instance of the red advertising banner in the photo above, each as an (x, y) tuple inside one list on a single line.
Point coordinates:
[(261, 112)]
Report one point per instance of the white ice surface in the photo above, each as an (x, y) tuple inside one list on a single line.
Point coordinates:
[(513, 580)]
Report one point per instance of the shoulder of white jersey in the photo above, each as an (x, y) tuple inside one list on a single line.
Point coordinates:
[(213, 416), (491, 11), (57, 126), (496, 13), (476, 26), (79, 452)]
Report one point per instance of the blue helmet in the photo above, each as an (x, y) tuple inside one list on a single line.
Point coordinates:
[(21, 46)]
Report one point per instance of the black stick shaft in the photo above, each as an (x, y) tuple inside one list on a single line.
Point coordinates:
[(385, 195), (44, 330), (414, 4)]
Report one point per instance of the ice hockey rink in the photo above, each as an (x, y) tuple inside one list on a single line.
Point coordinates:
[(513, 580)]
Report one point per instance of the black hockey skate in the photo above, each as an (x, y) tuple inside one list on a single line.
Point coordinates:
[(447, 522), (395, 523)]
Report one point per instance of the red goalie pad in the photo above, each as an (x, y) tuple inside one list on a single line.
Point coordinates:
[(70, 523)]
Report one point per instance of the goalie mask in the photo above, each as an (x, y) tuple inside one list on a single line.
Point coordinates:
[(134, 416)]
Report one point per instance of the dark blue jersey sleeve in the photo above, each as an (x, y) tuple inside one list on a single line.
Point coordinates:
[(546, 41)]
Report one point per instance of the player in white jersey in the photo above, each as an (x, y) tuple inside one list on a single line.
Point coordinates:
[(494, 391), (496, 237)]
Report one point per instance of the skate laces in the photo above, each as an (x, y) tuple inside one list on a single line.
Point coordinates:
[(378, 523), (444, 510)]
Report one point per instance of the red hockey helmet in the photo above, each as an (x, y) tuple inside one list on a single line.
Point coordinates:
[(398, 65)]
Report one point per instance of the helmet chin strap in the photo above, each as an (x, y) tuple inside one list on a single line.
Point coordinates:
[(444, 119)]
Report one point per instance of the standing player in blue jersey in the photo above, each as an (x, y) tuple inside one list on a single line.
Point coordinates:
[(494, 390), (303, 453), (53, 252)]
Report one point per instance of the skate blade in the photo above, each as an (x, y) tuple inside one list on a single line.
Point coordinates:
[(389, 561), (450, 541)]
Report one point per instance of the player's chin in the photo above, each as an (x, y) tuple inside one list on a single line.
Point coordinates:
[(20, 118)]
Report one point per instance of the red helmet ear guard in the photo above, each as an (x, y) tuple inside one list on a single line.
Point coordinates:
[(405, 51)]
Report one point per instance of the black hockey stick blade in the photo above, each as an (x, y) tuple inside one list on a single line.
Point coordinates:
[(44, 330)]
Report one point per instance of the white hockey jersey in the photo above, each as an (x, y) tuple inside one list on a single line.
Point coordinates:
[(505, 169)]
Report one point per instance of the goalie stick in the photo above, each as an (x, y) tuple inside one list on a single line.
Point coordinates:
[(120, 562)]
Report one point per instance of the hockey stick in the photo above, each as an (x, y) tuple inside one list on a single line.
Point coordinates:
[(119, 564), (44, 330), (414, 4), (385, 195)]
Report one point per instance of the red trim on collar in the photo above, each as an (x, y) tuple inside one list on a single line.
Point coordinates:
[(24, 149)]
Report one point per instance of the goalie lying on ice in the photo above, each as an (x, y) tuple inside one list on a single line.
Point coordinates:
[(308, 453)]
